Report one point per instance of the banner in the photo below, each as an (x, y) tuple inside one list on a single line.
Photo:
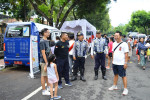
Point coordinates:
[(34, 58)]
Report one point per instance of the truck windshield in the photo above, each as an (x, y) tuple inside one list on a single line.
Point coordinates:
[(18, 31)]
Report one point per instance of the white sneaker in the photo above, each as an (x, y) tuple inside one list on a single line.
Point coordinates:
[(45, 92), (114, 87), (125, 92)]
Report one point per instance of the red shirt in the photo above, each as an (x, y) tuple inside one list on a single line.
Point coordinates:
[(110, 45)]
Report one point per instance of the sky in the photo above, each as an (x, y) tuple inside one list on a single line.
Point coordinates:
[(120, 11)]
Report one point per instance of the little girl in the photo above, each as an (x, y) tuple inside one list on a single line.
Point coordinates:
[(52, 76)]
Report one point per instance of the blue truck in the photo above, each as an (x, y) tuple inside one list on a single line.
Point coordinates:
[(17, 43)]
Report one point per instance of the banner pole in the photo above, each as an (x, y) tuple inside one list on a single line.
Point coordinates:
[(31, 65)]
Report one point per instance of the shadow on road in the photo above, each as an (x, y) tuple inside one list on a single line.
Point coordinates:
[(17, 68)]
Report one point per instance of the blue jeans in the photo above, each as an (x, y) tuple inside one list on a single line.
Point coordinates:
[(142, 60)]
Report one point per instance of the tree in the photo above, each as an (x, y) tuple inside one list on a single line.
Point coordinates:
[(100, 19), (97, 15), (19, 9), (141, 19), (121, 28), (130, 28), (57, 11)]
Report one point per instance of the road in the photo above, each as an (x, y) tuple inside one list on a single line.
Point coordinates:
[(15, 84)]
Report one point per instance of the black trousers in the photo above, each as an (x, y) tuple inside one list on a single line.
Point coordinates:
[(79, 64), (63, 69), (100, 61)]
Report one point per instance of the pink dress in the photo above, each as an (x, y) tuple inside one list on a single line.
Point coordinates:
[(51, 74)]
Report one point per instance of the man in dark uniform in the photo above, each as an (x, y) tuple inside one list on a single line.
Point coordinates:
[(61, 52), (99, 46), (79, 52)]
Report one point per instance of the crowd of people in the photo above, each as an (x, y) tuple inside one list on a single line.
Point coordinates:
[(66, 58)]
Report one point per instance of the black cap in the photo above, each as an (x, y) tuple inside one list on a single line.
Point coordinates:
[(79, 33), (98, 32)]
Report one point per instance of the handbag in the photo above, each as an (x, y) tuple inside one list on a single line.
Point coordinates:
[(148, 52)]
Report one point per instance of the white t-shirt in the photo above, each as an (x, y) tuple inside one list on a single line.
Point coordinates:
[(70, 44), (119, 53)]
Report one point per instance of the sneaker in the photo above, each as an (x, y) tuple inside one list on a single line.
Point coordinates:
[(45, 92), (56, 98), (60, 86), (51, 99), (68, 84), (138, 63), (113, 88), (125, 92)]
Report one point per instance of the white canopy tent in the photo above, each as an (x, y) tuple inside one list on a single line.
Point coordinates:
[(54, 31), (42, 26), (78, 25)]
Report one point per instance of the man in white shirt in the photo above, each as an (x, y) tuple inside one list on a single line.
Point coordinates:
[(71, 44), (120, 59)]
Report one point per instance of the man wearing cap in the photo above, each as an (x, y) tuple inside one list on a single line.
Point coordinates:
[(99, 46), (79, 51)]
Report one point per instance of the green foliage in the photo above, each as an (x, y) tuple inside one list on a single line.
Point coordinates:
[(121, 28), (57, 11), (141, 20), (96, 13), (19, 9), (45, 9)]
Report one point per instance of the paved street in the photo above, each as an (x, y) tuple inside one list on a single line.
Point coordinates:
[(15, 84)]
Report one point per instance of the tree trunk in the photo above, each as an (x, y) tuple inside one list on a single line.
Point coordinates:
[(51, 22), (38, 10), (75, 18), (66, 14), (42, 20), (24, 9), (60, 12), (51, 13)]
